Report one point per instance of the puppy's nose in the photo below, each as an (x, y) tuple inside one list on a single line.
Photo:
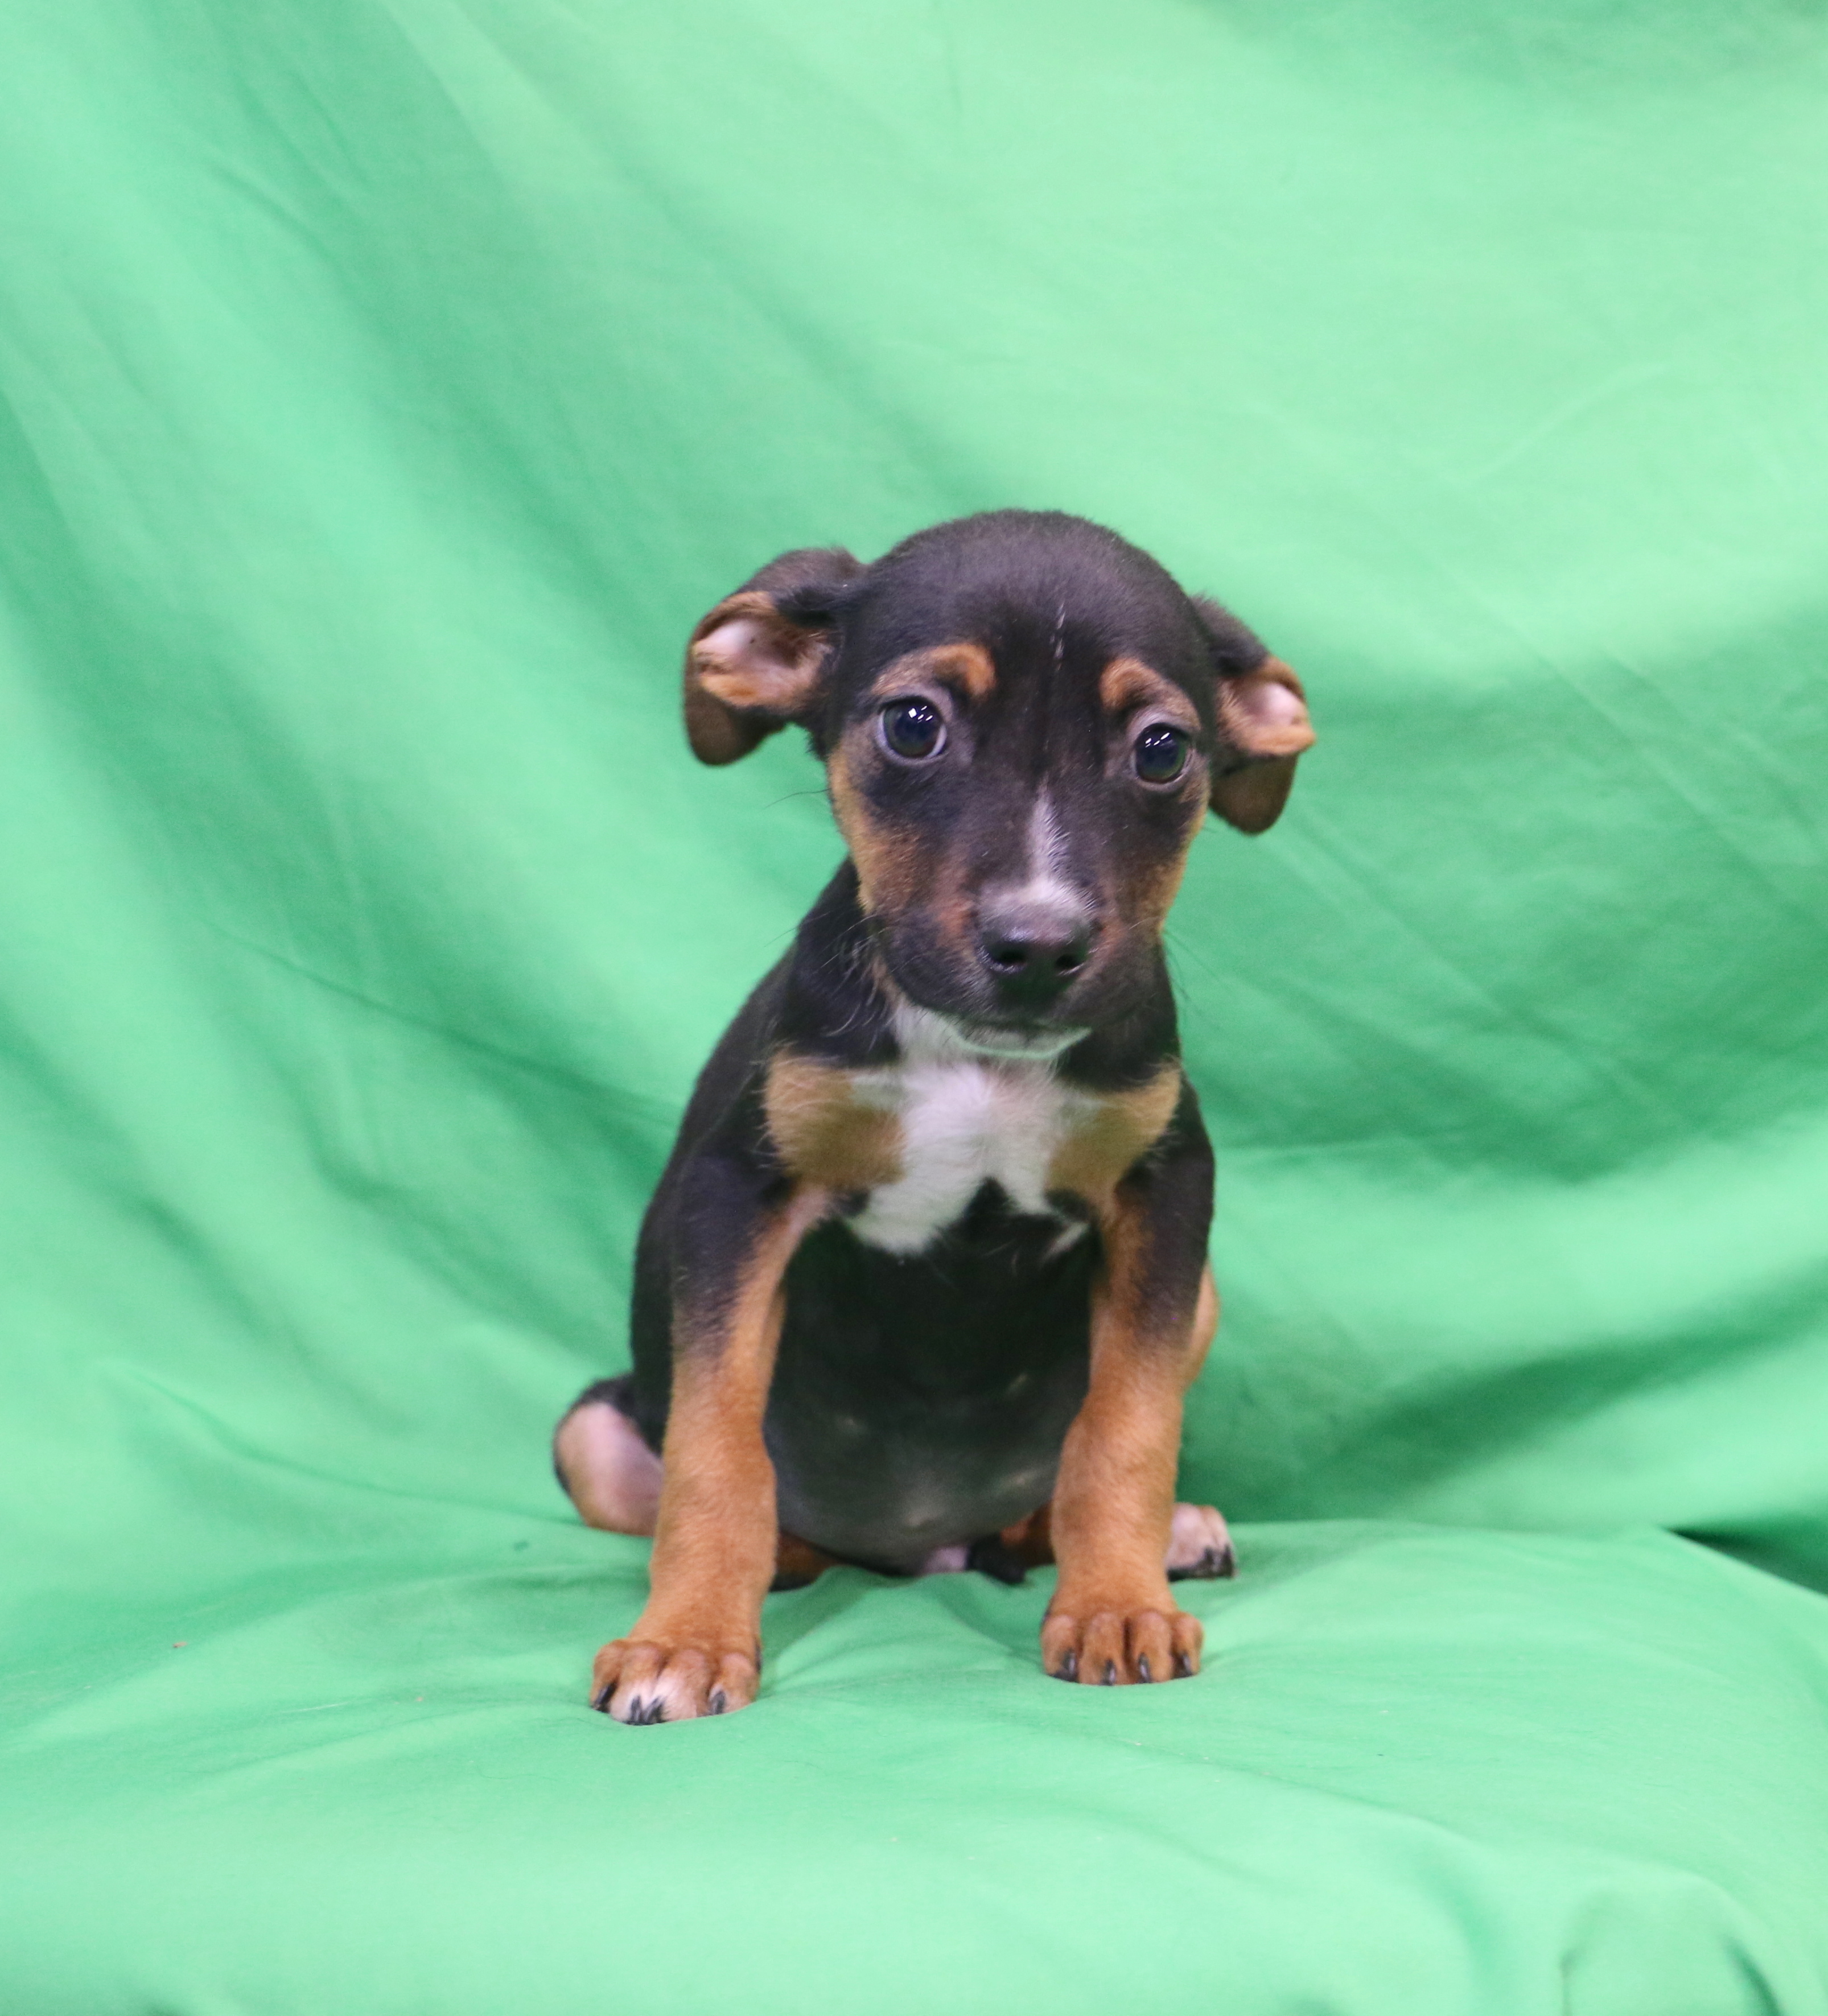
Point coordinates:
[(1034, 947)]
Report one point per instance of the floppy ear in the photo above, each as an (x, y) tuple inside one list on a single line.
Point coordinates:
[(755, 662), (1263, 723)]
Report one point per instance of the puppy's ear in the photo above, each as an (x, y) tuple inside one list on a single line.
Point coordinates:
[(1263, 723), (756, 661)]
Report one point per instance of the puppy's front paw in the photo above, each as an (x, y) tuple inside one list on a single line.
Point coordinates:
[(1113, 1647), (641, 1680)]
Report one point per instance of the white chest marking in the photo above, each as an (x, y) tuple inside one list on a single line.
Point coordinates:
[(966, 1118)]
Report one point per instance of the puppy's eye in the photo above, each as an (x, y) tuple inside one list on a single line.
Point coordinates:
[(1161, 753), (913, 728)]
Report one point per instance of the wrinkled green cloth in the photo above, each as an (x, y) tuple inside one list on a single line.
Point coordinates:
[(385, 387)]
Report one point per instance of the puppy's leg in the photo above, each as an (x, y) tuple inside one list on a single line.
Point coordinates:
[(1199, 1549), (1199, 1543), (613, 1478), (696, 1649), (1112, 1620)]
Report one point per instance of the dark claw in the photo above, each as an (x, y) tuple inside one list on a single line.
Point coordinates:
[(1183, 1667), (719, 1701), (1110, 1672), (600, 1700), (1216, 1565), (1142, 1667), (644, 1714), (1068, 1668)]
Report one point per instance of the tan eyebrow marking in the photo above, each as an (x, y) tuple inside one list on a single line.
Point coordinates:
[(1127, 684), (967, 666)]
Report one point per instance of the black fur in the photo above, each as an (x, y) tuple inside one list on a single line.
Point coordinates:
[(922, 1400), (950, 1375)]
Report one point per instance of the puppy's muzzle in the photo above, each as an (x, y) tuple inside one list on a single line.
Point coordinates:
[(1033, 948)]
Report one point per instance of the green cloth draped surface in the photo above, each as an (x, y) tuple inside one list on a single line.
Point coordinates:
[(386, 386)]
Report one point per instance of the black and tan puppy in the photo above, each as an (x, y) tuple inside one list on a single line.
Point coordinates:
[(925, 1280)]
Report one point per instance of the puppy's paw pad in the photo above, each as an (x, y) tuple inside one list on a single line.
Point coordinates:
[(643, 1681), (1200, 1545), (1118, 1648)]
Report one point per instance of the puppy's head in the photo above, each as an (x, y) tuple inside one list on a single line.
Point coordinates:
[(1023, 720)]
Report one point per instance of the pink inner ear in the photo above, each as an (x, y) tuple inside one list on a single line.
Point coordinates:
[(724, 649), (748, 661), (1275, 706), (1264, 712)]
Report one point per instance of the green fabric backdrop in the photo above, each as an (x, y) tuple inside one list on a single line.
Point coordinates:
[(385, 386)]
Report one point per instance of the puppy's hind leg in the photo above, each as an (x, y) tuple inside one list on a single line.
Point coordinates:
[(1199, 1548), (609, 1473), (1200, 1545)]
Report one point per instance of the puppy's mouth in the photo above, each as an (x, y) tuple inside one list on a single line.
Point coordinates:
[(990, 1039), (937, 1034)]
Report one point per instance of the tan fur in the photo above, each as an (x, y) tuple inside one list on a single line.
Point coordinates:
[(614, 1480), (1112, 1137), (1112, 1619), (967, 668), (747, 670), (1150, 897), (1264, 714), (823, 1133), (887, 864), (698, 1639), (1127, 684), (748, 654), (797, 1562), (896, 871)]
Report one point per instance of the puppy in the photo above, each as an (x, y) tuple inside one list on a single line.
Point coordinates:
[(925, 1280)]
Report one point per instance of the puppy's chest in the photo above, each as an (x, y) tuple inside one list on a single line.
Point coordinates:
[(959, 1125), (918, 1140)]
